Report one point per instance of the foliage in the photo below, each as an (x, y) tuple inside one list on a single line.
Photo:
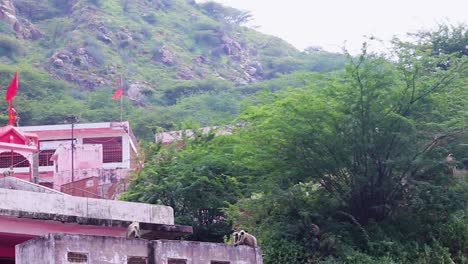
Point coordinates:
[(150, 18), (372, 140), (197, 181), (36, 10), (226, 14), (9, 47)]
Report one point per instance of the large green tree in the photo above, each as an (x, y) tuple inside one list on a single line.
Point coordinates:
[(372, 141)]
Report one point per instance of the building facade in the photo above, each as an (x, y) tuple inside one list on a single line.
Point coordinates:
[(66, 248), (89, 159)]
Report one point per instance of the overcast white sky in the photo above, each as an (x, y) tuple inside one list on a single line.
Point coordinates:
[(329, 23)]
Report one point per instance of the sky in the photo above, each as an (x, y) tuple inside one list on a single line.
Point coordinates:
[(333, 24)]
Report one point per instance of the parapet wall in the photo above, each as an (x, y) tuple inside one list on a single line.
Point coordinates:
[(51, 206), (59, 248), (13, 183)]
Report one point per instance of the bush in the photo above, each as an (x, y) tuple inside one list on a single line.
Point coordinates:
[(9, 47), (96, 2), (96, 53), (146, 32), (6, 28), (150, 18)]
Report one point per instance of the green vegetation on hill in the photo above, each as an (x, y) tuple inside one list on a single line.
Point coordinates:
[(357, 151), (178, 58)]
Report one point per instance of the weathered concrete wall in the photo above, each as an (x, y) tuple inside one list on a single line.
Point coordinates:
[(14, 183), (26, 204), (37, 250), (53, 249), (86, 157), (204, 253), (111, 250)]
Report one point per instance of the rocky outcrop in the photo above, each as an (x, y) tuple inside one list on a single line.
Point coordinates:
[(8, 14), (73, 66), (22, 27), (29, 30), (136, 89), (186, 73), (165, 56)]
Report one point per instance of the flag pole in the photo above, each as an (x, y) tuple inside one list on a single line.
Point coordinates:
[(121, 99)]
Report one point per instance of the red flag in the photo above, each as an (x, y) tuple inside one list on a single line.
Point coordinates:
[(11, 114), (119, 92), (12, 87)]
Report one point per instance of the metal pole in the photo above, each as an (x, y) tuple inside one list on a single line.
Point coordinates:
[(121, 98), (72, 152)]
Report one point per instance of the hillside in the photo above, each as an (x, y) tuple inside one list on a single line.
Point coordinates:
[(69, 53)]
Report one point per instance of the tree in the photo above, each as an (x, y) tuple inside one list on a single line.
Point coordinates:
[(227, 14), (196, 180), (373, 140)]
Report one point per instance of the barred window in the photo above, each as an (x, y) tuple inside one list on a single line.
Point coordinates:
[(136, 260), (176, 261), (75, 257), (13, 159), (111, 148), (44, 157)]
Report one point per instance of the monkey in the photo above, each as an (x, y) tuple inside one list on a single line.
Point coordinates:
[(315, 236), (235, 237), (246, 239), (315, 230), (450, 161), (133, 230)]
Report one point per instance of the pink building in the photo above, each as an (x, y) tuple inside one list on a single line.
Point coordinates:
[(40, 224), (102, 156)]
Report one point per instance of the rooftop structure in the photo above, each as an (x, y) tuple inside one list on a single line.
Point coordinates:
[(89, 159), (49, 213), (65, 248), (26, 213)]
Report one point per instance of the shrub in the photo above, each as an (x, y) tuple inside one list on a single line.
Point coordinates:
[(96, 2), (146, 32), (9, 47), (150, 18), (96, 54)]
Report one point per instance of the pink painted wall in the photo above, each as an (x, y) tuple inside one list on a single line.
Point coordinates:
[(87, 158)]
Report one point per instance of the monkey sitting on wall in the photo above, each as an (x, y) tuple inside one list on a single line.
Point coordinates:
[(133, 230), (235, 237), (244, 238)]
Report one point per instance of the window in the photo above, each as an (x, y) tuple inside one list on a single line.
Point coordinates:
[(13, 159), (176, 261), (111, 148), (75, 257), (44, 157), (219, 262), (136, 260)]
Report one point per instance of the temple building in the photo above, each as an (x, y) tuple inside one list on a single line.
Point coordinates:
[(58, 186), (85, 159)]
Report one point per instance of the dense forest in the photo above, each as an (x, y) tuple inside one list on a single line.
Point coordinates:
[(335, 158)]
